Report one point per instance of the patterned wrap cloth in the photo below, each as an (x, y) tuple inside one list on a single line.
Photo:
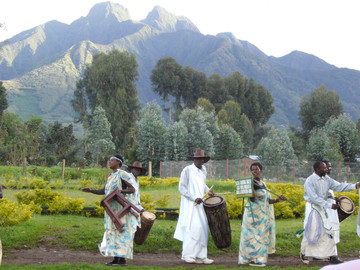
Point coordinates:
[(116, 243), (257, 238)]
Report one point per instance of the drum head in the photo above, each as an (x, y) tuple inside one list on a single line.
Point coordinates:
[(148, 215), (346, 204), (213, 201)]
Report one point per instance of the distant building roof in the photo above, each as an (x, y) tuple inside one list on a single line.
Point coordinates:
[(253, 157)]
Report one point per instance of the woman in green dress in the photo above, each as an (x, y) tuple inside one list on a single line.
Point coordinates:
[(257, 238)]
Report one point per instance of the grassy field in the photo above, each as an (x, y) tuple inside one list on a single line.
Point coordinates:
[(82, 233), (78, 232), (67, 266)]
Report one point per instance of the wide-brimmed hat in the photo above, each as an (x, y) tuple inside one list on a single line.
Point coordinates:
[(137, 165), (200, 154)]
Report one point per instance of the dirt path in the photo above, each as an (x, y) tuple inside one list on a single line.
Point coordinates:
[(54, 255)]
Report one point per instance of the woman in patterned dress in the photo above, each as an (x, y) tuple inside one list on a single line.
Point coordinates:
[(257, 238), (115, 243), (1, 195)]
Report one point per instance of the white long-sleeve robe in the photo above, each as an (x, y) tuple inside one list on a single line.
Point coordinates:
[(317, 207), (192, 223)]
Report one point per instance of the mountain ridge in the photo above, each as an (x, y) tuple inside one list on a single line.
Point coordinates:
[(42, 64)]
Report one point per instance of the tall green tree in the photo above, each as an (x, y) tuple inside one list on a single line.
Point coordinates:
[(233, 110), (60, 140), (246, 133), (14, 143), (176, 138), (33, 140), (317, 109), (167, 79), (255, 101), (299, 141), (216, 91), (151, 135), (205, 104), (193, 86), (3, 99), (200, 127), (100, 138), (257, 104), (276, 148), (344, 131), (109, 82), (322, 147), (228, 144), (236, 84)]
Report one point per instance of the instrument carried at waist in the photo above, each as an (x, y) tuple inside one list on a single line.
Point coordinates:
[(147, 220), (218, 220), (346, 208)]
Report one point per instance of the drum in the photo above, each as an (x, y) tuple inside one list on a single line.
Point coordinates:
[(346, 208), (147, 220), (218, 220)]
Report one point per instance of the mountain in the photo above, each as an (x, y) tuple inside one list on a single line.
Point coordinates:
[(40, 66)]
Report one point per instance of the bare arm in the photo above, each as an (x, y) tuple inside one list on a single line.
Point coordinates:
[(100, 191), (129, 188), (280, 199)]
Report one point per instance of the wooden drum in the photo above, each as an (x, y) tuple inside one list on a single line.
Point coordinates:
[(147, 220), (346, 208), (218, 220)]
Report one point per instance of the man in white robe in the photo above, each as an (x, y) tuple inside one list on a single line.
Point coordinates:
[(332, 213), (192, 227), (318, 240)]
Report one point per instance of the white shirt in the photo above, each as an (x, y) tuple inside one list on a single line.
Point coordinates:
[(187, 174), (317, 189)]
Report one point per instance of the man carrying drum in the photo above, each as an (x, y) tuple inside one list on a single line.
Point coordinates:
[(136, 170), (192, 227), (318, 241)]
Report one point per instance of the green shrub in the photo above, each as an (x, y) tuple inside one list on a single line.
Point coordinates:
[(234, 206), (163, 201), (86, 183), (57, 205), (147, 201), (42, 197), (58, 184), (100, 211), (46, 175), (75, 206), (10, 184), (37, 183), (8, 174)]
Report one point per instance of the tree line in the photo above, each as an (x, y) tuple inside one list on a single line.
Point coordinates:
[(226, 116)]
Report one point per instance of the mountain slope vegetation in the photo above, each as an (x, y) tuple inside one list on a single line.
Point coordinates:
[(40, 66)]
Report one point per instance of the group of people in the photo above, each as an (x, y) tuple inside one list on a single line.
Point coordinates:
[(258, 227), (257, 239)]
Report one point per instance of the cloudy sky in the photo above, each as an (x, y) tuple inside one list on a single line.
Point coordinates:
[(328, 29)]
